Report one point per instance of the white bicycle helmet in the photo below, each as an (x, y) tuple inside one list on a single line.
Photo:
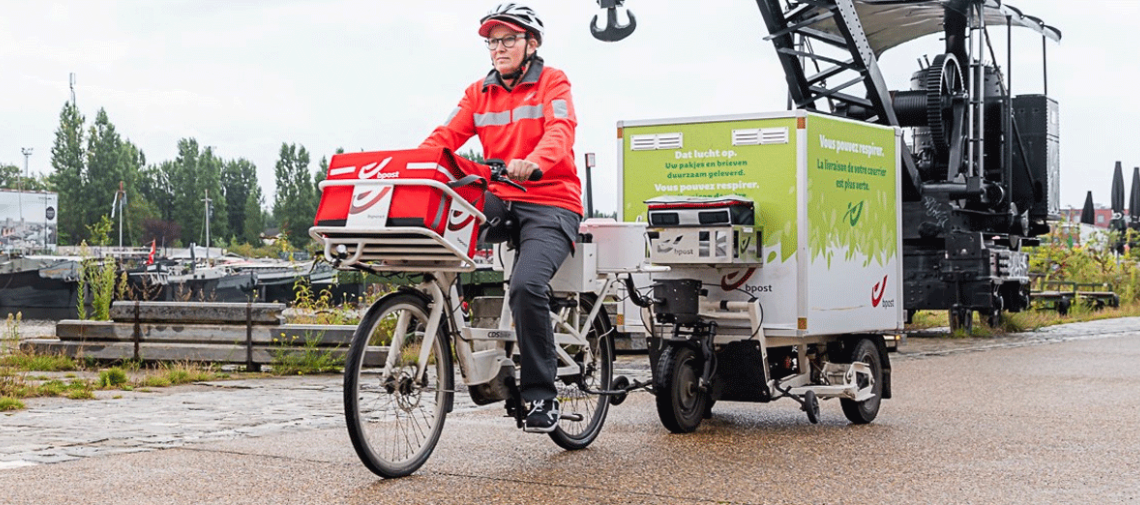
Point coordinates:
[(515, 16)]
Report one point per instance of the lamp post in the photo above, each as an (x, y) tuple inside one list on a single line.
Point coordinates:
[(27, 151), (589, 186), (207, 201)]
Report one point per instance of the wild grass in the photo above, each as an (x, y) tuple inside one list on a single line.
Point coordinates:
[(28, 360), (16, 385), (310, 358), (1032, 319), (8, 403)]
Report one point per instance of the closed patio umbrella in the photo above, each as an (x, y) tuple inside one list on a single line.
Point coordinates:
[(1088, 214)]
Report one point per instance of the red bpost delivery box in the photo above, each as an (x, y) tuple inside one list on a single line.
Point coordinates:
[(372, 206)]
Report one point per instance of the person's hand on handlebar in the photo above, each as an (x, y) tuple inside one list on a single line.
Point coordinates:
[(522, 170)]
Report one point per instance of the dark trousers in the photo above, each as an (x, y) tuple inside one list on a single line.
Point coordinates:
[(546, 237)]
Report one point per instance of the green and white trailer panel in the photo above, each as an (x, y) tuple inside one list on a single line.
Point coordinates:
[(828, 202)]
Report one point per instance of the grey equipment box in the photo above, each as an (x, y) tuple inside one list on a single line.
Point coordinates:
[(704, 231)]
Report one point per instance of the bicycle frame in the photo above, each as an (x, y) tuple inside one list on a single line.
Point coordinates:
[(479, 367)]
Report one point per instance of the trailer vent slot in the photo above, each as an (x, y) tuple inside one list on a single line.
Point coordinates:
[(656, 141), (759, 136), (664, 219), (713, 217)]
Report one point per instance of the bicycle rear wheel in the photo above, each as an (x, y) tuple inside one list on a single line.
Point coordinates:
[(598, 362), (395, 419)]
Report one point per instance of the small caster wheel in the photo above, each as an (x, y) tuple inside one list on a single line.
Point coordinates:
[(619, 383), (811, 407)]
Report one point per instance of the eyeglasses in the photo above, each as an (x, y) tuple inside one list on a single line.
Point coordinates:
[(508, 42)]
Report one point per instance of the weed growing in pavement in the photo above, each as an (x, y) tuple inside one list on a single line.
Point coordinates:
[(51, 388), (81, 394), (154, 381), (15, 386), (8, 403), (186, 373), (10, 340), (173, 374), (76, 389), (12, 384), (310, 358), (28, 360), (112, 377)]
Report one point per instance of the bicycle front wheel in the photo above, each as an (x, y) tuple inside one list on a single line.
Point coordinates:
[(598, 365), (395, 416)]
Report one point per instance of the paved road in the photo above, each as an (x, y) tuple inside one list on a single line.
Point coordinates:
[(1049, 417)]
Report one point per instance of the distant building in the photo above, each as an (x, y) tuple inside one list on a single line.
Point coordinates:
[(1103, 215)]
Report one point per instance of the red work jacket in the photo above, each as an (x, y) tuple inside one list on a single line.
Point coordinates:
[(534, 121)]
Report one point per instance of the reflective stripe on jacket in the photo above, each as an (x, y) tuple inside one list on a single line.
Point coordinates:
[(534, 121)]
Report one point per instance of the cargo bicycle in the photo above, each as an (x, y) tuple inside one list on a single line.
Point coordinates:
[(400, 381)]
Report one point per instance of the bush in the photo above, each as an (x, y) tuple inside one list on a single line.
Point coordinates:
[(1093, 263)]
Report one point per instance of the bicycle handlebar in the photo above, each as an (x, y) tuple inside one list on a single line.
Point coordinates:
[(498, 174)]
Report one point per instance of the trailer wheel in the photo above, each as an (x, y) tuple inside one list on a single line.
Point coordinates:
[(865, 411), (680, 401)]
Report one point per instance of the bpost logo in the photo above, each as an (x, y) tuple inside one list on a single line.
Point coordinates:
[(458, 221), (369, 171), (736, 279), (371, 195), (877, 292), (854, 212), (668, 246)]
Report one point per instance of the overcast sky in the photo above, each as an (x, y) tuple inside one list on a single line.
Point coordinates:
[(245, 76)]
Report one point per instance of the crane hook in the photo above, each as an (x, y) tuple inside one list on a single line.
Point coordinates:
[(613, 31)]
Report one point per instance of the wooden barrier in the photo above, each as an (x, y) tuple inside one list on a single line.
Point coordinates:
[(250, 333)]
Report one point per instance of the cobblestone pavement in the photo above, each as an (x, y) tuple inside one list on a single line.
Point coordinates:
[(53, 430)]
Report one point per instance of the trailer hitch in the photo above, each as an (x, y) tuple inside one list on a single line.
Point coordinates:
[(621, 388), (613, 31)]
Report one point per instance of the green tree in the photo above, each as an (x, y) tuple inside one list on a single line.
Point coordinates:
[(9, 176), (138, 209), (239, 182), (210, 182), (112, 163), (154, 187), (67, 161), (254, 218), (294, 205), (186, 194), (193, 173)]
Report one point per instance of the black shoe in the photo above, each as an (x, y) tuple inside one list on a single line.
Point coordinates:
[(543, 417)]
